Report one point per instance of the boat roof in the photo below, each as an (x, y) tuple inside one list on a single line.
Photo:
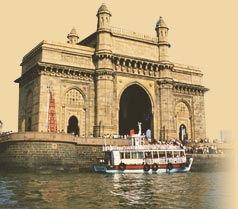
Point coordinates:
[(140, 148)]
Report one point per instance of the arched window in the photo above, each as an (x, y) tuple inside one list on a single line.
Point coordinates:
[(74, 97), (181, 110)]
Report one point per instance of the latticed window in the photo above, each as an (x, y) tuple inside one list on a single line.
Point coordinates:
[(182, 110), (74, 97)]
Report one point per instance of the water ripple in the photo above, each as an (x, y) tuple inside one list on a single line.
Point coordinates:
[(89, 190)]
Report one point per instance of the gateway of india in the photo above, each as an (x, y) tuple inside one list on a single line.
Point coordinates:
[(108, 82)]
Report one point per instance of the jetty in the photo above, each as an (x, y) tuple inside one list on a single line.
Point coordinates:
[(67, 152)]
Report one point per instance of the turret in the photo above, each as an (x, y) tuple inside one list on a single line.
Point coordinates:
[(103, 17), (163, 44), (73, 36), (104, 79), (165, 81), (104, 29)]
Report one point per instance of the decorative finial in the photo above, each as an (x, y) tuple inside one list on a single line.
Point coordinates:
[(160, 23), (103, 9), (73, 36)]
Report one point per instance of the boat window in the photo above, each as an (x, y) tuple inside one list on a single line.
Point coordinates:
[(161, 154), (148, 155), (122, 155), (133, 155), (140, 155), (127, 155), (176, 154), (155, 155), (182, 153), (169, 154)]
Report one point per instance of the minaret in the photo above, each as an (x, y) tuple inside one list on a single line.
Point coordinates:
[(165, 81), (163, 44), (104, 29), (104, 79), (73, 36), (103, 17)]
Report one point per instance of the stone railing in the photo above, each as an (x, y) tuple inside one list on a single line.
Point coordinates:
[(60, 137), (132, 34), (206, 156), (142, 147)]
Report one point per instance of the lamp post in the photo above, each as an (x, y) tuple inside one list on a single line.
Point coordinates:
[(85, 121)]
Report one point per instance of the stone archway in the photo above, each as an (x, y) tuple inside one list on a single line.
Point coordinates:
[(184, 127), (73, 125), (135, 106)]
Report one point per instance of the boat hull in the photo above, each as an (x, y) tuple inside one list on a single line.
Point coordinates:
[(106, 169)]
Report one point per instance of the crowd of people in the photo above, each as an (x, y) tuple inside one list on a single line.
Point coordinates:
[(195, 147), (203, 149), (201, 146)]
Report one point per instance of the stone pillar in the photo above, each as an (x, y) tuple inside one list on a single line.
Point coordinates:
[(165, 84), (166, 108), (199, 121), (104, 102)]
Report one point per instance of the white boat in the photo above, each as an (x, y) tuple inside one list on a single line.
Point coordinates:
[(140, 157), (144, 159)]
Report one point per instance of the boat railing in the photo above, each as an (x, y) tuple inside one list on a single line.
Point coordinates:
[(141, 147)]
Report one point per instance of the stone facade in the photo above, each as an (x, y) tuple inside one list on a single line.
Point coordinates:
[(108, 82)]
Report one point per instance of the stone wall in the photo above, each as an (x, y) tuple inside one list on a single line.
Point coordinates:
[(37, 155), (28, 114), (39, 151), (87, 156), (48, 155), (54, 52), (135, 48)]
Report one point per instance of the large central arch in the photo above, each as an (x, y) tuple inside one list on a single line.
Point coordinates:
[(135, 106)]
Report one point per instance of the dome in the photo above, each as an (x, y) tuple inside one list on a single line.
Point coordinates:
[(103, 9), (73, 32), (161, 23)]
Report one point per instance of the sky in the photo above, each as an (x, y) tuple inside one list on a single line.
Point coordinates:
[(201, 33)]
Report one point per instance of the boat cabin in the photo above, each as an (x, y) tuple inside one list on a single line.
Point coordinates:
[(150, 154)]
